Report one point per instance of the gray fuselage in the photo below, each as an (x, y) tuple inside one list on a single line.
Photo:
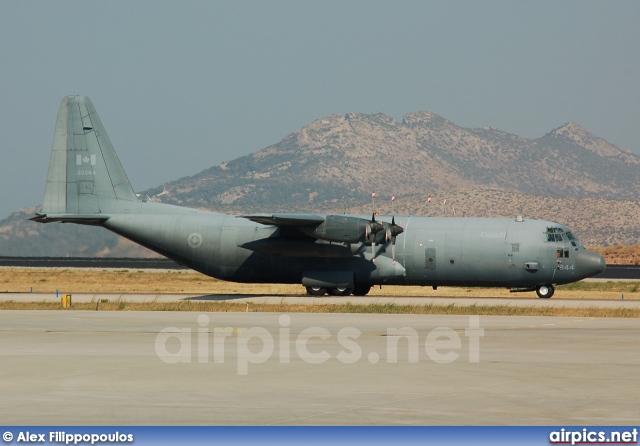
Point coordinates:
[(431, 251)]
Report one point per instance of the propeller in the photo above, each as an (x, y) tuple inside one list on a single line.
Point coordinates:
[(371, 231), (393, 230)]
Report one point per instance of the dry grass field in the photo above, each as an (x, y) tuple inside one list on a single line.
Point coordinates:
[(346, 307), (109, 281)]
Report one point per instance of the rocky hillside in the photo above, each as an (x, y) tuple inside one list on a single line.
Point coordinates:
[(337, 160), (595, 221)]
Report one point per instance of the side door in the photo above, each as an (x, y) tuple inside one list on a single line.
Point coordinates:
[(565, 263), (514, 259)]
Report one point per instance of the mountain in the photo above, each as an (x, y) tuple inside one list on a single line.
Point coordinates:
[(596, 221), (333, 164), (338, 160)]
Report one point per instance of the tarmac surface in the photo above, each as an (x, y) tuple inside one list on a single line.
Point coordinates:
[(184, 368)]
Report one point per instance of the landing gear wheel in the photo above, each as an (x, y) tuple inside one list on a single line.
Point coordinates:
[(340, 291), (545, 291), (316, 291), (361, 290)]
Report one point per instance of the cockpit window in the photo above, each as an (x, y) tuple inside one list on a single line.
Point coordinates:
[(554, 234), (558, 235)]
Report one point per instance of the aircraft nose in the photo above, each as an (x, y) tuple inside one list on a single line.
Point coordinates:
[(589, 263)]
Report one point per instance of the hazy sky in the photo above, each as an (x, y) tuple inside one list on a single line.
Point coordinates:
[(184, 85)]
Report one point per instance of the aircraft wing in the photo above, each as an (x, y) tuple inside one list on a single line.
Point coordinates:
[(285, 219), (345, 229)]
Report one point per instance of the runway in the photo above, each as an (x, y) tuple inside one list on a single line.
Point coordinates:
[(182, 368), (328, 300)]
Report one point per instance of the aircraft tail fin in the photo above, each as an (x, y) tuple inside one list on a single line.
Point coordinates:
[(85, 175)]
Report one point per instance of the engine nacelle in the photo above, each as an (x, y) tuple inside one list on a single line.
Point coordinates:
[(340, 228)]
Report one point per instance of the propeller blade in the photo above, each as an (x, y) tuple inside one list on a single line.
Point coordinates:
[(373, 249), (393, 248), (394, 231)]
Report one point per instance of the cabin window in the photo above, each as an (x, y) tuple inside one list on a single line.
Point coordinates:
[(515, 247), (562, 253)]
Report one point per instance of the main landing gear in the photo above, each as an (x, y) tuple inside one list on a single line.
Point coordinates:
[(316, 291), (358, 290)]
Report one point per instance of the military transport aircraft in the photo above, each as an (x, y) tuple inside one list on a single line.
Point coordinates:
[(336, 254)]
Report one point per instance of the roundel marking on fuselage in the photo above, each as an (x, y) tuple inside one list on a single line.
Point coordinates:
[(194, 240)]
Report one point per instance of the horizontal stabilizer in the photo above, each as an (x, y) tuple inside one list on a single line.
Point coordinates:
[(86, 219)]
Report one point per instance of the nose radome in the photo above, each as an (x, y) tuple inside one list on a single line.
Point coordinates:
[(589, 263)]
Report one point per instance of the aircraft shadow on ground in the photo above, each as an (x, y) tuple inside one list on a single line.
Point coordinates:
[(223, 297)]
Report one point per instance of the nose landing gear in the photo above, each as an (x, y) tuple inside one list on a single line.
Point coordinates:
[(545, 291)]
